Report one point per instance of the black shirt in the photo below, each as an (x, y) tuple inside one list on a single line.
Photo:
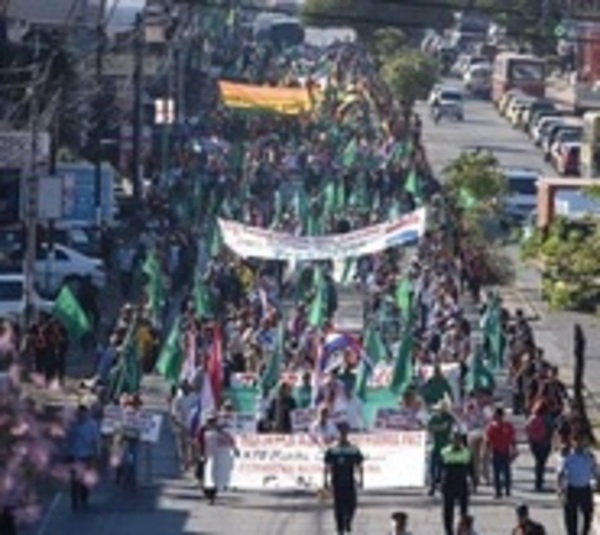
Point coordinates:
[(342, 461)]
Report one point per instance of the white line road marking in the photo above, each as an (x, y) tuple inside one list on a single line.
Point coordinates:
[(46, 520)]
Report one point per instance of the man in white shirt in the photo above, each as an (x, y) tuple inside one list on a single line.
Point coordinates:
[(347, 408)]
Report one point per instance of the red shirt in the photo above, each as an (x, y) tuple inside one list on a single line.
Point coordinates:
[(500, 437)]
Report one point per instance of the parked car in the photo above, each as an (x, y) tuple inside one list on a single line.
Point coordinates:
[(516, 109), (541, 131), (569, 130), (506, 100), (566, 158), (568, 134), (521, 193), (534, 106), (62, 265), (535, 118), (12, 297)]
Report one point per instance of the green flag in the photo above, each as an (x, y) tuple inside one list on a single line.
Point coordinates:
[(362, 380), (479, 376), (403, 295), (203, 301), (272, 372), (318, 305), (126, 377), (350, 153), (155, 289), (402, 373), (492, 331), (68, 311), (374, 345), (171, 355), (413, 185)]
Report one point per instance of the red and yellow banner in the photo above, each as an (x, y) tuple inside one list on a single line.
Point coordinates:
[(284, 100)]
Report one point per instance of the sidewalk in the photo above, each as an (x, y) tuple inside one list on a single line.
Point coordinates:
[(116, 511), (554, 331)]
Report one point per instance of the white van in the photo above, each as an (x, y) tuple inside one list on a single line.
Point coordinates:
[(521, 193)]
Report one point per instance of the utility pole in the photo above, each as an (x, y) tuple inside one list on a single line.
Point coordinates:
[(32, 191), (98, 119), (138, 78)]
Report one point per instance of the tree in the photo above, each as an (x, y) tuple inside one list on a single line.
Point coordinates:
[(410, 76), (387, 42), (530, 22), (478, 175), (365, 18)]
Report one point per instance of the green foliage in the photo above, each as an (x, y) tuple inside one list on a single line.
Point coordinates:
[(366, 18), (410, 75), (530, 22), (570, 255), (478, 173), (387, 42)]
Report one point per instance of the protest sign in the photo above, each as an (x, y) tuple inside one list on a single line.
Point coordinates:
[(302, 419), (399, 419), (255, 242), (238, 423), (147, 424), (295, 462)]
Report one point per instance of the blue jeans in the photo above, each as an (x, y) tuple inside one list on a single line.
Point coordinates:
[(502, 473), (435, 468)]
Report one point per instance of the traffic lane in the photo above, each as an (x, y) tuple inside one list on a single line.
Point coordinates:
[(482, 128)]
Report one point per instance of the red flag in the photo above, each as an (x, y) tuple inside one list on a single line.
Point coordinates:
[(214, 366)]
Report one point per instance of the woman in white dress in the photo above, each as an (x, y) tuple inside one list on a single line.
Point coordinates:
[(216, 448)]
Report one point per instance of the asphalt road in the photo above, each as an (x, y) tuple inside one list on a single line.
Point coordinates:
[(482, 128)]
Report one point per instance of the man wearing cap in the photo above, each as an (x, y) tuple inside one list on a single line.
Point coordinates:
[(399, 523), (343, 472), (457, 469), (526, 526)]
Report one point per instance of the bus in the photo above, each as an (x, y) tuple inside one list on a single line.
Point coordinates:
[(518, 71)]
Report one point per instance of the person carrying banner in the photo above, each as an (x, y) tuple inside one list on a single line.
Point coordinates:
[(343, 473)]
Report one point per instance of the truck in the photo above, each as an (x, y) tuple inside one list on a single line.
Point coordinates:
[(581, 92)]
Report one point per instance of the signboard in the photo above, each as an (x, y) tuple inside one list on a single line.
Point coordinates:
[(398, 419), (148, 424), (302, 419), (295, 462), (164, 111), (79, 192), (238, 423), (50, 200)]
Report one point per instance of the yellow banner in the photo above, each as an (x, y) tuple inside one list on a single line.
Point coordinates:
[(284, 100)]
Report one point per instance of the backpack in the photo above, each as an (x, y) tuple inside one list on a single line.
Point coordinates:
[(537, 430)]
